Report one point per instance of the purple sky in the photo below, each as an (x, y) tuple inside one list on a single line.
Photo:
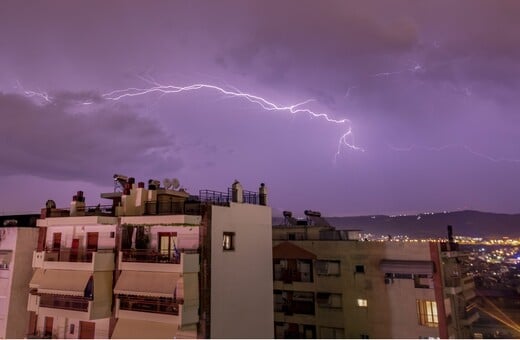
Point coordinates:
[(429, 88)]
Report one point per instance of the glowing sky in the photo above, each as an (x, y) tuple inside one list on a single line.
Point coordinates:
[(429, 90)]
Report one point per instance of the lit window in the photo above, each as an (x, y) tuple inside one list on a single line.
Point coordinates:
[(362, 302), (228, 241), (427, 313)]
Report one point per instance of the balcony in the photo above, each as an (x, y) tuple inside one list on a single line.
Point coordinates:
[(167, 306), (151, 260), (75, 307), (456, 285), (158, 309), (469, 318), (73, 303), (70, 259), (289, 276)]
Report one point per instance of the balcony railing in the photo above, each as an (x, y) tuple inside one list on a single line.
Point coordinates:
[(150, 256), (149, 305), (64, 302), (223, 198), (40, 335), (298, 307), (93, 210), (290, 276), (72, 255)]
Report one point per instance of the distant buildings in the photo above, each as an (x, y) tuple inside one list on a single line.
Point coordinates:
[(330, 284), (156, 263)]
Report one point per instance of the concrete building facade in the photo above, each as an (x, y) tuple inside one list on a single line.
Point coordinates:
[(18, 237), (330, 284), (156, 263)]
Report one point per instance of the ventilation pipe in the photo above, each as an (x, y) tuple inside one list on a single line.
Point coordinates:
[(262, 194), (237, 192)]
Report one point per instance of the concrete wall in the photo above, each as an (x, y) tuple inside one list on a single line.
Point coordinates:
[(391, 310), (22, 241), (72, 231), (241, 279)]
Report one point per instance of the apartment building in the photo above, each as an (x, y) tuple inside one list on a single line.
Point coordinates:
[(155, 263), (329, 283), (18, 237)]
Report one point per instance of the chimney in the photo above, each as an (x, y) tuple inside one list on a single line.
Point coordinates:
[(77, 206), (262, 194), (237, 192)]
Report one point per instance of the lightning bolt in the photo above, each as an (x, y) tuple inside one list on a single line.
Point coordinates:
[(414, 68), (454, 146), (346, 140), (347, 94), (38, 94)]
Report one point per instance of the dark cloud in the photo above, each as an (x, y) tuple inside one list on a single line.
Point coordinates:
[(436, 79), (48, 141)]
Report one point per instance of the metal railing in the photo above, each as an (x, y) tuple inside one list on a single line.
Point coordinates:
[(72, 255), (289, 276), (150, 256), (214, 197), (149, 305), (92, 210), (64, 302)]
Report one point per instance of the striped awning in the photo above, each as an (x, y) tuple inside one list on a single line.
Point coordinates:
[(64, 282), (156, 284), (143, 329), (407, 267)]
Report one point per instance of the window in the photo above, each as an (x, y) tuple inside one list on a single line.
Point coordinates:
[(427, 313), (362, 302), (329, 300), (228, 241), (364, 336), (324, 267), (71, 328), (167, 247), (360, 268), (332, 333)]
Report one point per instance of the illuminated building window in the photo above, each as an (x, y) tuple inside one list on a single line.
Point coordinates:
[(427, 313), (362, 302), (228, 241)]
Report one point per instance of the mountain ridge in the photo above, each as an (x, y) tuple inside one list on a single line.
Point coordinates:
[(471, 223)]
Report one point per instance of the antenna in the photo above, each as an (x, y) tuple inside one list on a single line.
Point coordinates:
[(175, 183)]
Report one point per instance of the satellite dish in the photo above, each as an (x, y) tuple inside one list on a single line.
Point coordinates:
[(167, 183), (171, 183)]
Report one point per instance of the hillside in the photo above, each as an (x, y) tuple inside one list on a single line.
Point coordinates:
[(465, 223)]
